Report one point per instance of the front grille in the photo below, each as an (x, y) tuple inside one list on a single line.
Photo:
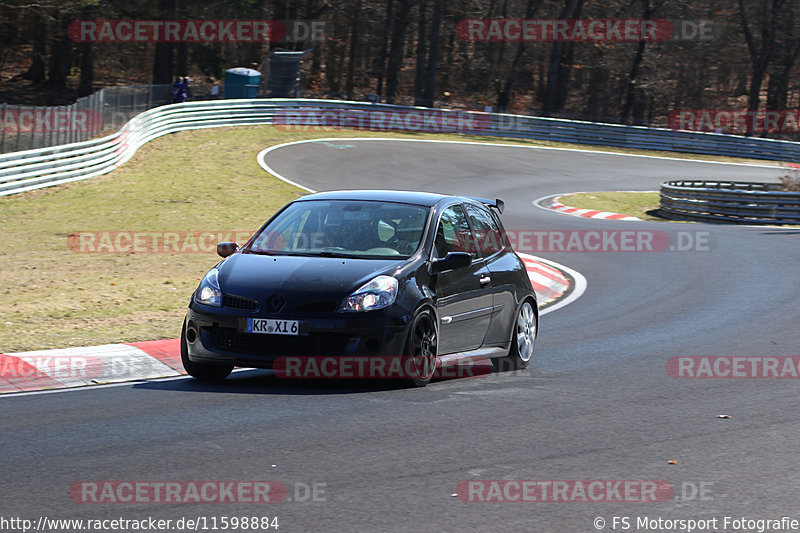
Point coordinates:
[(327, 306), (232, 340), (237, 302)]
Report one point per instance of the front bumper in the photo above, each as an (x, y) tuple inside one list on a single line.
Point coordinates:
[(217, 336)]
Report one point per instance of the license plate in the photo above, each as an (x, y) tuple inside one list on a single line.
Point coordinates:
[(271, 326)]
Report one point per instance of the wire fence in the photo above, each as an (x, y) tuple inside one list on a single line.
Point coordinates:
[(30, 127)]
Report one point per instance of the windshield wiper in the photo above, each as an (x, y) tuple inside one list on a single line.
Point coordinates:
[(339, 254), (262, 252), (326, 253), (321, 253)]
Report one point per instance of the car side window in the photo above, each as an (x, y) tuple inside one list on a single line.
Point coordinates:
[(488, 235), (453, 233)]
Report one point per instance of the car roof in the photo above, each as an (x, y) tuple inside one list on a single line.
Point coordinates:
[(427, 199)]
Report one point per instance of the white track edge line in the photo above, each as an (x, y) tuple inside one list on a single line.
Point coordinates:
[(580, 283)]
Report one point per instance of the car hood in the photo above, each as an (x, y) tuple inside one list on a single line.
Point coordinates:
[(299, 279)]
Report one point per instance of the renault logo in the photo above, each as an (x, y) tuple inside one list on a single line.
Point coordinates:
[(276, 303)]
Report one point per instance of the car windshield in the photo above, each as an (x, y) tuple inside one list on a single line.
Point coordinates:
[(343, 228)]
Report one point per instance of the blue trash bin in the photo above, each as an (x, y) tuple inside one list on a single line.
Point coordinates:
[(241, 82)]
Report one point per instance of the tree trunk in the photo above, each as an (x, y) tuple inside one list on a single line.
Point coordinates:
[(639, 106), (351, 63), (778, 88), (384, 53), (648, 10), (504, 95), (449, 61), (333, 67), (419, 73), (760, 53), (598, 79), (61, 58), (162, 63), (555, 65), (495, 64), (564, 75), (36, 72), (429, 95), (397, 51), (87, 70), (182, 59), (85, 85)]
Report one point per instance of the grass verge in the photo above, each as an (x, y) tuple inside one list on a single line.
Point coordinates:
[(635, 204)]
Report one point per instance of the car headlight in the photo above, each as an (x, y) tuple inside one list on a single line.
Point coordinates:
[(378, 293), (209, 292)]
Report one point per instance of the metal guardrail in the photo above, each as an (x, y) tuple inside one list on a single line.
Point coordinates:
[(33, 169), (737, 202)]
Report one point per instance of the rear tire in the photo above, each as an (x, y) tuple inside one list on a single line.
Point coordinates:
[(421, 348), (201, 371), (520, 353)]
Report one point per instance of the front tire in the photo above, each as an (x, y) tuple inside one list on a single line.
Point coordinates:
[(421, 348), (201, 371), (520, 353)]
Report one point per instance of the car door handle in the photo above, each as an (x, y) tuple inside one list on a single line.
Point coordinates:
[(485, 280)]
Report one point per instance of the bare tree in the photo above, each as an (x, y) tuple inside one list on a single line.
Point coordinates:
[(649, 8), (558, 68), (422, 48), (354, 40), (384, 50), (429, 94), (504, 93), (397, 50), (761, 48)]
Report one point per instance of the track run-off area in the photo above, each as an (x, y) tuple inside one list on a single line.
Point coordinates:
[(601, 409)]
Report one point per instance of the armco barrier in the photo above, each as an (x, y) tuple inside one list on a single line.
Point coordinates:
[(33, 169), (737, 202)]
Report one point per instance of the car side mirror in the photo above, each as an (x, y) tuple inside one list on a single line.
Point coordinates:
[(224, 249), (452, 261)]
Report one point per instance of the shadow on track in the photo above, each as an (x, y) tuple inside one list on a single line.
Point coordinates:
[(254, 381), (257, 381)]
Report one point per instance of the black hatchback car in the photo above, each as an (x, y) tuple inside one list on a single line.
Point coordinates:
[(425, 278)]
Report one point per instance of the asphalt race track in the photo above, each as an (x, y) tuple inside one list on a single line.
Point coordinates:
[(596, 404)]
